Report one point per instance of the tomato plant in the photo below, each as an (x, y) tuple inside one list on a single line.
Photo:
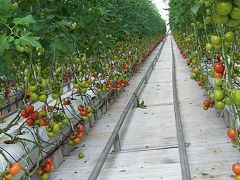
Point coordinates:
[(211, 44), (48, 45)]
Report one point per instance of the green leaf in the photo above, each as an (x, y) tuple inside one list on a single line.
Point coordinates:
[(61, 23), (27, 39), (56, 49), (2, 102), (24, 20), (196, 7), (5, 9), (4, 43), (98, 67), (4, 68)]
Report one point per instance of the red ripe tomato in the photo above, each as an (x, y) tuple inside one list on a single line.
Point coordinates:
[(81, 108), (207, 103), (236, 168), (30, 122), (47, 167), (43, 122), (29, 109), (211, 104), (35, 115), (80, 128), (118, 82), (83, 113), (80, 135), (231, 133), (219, 67), (66, 102), (24, 114), (48, 161), (15, 168)]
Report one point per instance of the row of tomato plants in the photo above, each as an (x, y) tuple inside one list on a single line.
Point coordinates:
[(210, 47), (95, 46)]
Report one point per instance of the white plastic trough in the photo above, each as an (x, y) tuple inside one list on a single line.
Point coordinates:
[(16, 152)]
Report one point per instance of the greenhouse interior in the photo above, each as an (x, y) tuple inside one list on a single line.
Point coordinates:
[(119, 89)]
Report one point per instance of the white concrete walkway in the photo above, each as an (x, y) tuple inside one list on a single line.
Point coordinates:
[(148, 136)]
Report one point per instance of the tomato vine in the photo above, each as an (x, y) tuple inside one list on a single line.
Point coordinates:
[(210, 46), (49, 46)]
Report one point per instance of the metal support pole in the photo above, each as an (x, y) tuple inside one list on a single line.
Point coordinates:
[(117, 145)]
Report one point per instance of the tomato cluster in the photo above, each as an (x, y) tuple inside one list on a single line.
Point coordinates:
[(77, 137), (34, 117), (12, 170), (45, 168), (85, 113)]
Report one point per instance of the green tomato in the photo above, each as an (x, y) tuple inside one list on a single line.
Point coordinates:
[(55, 95), (218, 95), (236, 96), (76, 86), (80, 155), (229, 36), (42, 113), (66, 121), (211, 96), (223, 7), (227, 101), (216, 40), (58, 70), (50, 134), (85, 118), (43, 98), (32, 88), (233, 22), (56, 127), (44, 83), (73, 26), (14, 5), (90, 115), (218, 19), (84, 90), (235, 13), (209, 47), (218, 82), (37, 122), (219, 104), (20, 49), (34, 97)]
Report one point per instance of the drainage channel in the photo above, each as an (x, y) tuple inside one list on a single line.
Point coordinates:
[(180, 134)]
